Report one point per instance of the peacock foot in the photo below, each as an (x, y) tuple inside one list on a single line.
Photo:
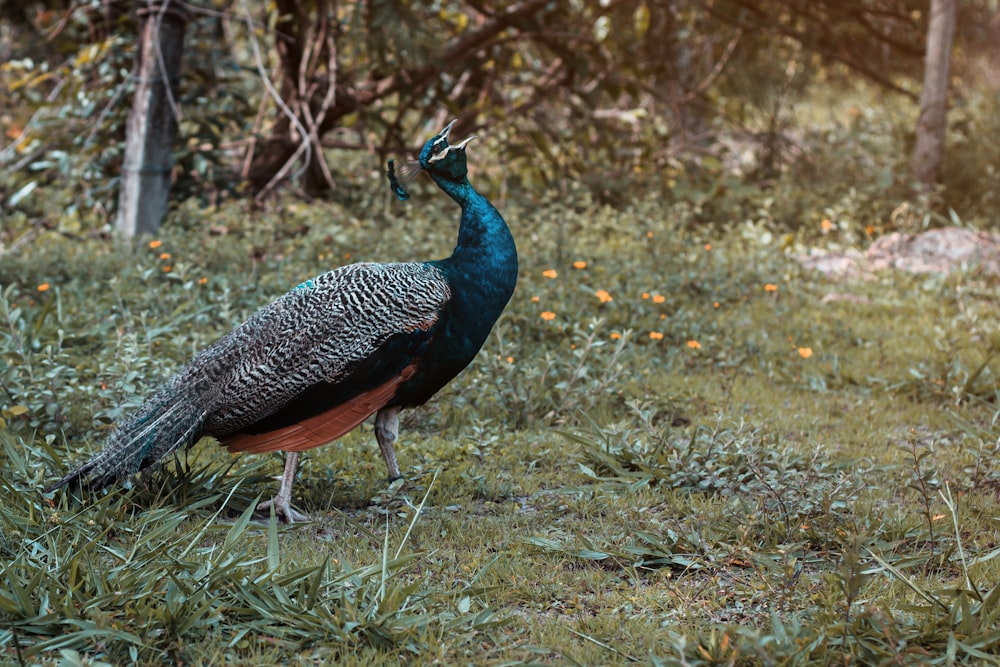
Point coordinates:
[(283, 510)]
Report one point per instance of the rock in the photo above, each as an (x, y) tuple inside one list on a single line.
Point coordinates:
[(934, 251)]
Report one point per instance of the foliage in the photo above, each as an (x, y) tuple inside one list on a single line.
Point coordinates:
[(67, 94), (774, 485), (149, 583), (674, 450), (621, 96)]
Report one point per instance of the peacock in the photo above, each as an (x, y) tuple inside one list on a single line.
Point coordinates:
[(362, 339)]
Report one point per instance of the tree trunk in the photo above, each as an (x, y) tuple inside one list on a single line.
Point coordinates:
[(152, 122), (929, 151)]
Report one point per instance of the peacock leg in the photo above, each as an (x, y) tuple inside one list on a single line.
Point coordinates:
[(387, 432), (282, 502)]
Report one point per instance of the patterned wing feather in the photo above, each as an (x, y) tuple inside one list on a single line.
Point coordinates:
[(320, 332)]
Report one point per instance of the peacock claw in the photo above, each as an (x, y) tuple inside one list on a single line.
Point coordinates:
[(283, 510)]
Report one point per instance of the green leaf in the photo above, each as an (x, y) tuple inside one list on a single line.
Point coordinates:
[(23, 193)]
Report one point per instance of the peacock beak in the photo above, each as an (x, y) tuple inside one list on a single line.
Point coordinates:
[(443, 134)]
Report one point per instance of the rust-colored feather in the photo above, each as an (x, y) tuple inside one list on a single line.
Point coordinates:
[(324, 427)]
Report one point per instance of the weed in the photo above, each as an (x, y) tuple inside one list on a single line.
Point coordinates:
[(925, 482)]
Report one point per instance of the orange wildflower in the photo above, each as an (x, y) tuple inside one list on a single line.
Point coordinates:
[(203, 281), (715, 304), (645, 295), (165, 255), (649, 235), (708, 246), (550, 273), (694, 345), (659, 298), (44, 287), (535, 299), (805, 352), (155, 244), (579, 265), (168, 269), (615, 335), (655, 335), (548, 315), (603, 295), (826, 225), (510, 360), (770, 287)]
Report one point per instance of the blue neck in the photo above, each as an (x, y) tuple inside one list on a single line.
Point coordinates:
[(485, 253), (483, 235)]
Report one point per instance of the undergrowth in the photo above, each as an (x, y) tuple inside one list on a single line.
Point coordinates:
[(673, 450)]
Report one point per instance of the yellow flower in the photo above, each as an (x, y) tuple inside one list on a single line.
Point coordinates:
[(550, 273), (155, 244), (603, 295), (805, 352), (548, 315), (579, 265), (694, 345), (44, 287), (770, 287), (655, 335), (659, 298)]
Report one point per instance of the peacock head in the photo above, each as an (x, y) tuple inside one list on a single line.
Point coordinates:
[(438, 158)]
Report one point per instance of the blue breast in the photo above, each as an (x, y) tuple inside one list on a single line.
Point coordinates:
[(482, 273)]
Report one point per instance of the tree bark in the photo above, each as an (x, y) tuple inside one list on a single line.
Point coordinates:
[(152, 122), (929, 150)]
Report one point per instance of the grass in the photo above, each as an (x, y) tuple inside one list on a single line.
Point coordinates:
[(689, 467)]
